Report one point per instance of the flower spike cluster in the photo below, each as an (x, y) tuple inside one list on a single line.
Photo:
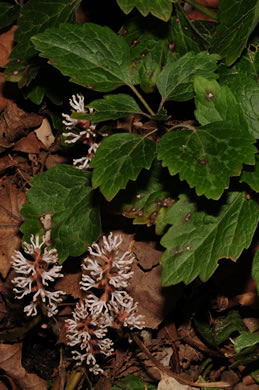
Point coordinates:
[(105, 276), (87, 135), (35, 274)]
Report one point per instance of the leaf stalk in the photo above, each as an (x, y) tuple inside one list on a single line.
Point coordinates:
[(143, 101)]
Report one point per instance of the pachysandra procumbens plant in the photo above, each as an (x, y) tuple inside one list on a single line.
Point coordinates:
[(195, 179), (205, 152)]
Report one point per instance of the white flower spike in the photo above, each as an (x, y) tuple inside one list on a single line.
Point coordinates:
[(35, 275)]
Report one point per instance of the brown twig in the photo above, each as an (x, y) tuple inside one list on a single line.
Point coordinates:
[(168, 372)]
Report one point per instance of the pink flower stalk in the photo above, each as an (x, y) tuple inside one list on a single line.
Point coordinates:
[(86, 136), (35, 275), (88, 331), (78, 105), (105, 275)]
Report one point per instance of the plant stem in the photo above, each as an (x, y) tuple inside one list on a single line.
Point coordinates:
[(203, 9), (74, 378), (143, 101), (170, 373)]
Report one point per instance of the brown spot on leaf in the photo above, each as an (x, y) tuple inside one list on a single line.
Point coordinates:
[(171, 46), (210, 96), (140, 213), (187, 217), (134, 42), (203, 161)]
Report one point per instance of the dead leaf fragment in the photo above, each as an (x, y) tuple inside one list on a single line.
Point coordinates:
[(16, 123), (169, 383), (11, 200), (6, 44), (44, 134), (10, 362), (29, 144)]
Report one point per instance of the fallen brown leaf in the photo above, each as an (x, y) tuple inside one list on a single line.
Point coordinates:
[(29, 144), (15, 123), (10, 362), (6, 44), (44, 134), (11, 200)]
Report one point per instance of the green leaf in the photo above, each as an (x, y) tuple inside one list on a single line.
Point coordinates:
[(36, 16), (132, 382), (150, 67), (8, 14), (148, 41), (255, 375), (205, 30), (43, 86), (206, 157), (248, 64), (245, 340), (250, 175), (64, 192), (198, 240), (223, 328), (111, 107), (175, 82), (118, 159), (246, 92), (162, 9), (147, 199), (237, 18), (91, 55), (215, 103), (161, 115), (255, 269), (181, 35)]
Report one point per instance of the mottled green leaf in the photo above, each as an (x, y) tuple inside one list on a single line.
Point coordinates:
[(91, 55), (206, 157), (246, 92), (248, 64), (175, 82), (245, 340), (110, 107), (149, 48), (120, 158), (215, 103), (250, 175), (36, 16), (237, 19), (223, 328), (8, 14), (182, 36), (162, 9), (147, 199), (64, 192), (197, 240)]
